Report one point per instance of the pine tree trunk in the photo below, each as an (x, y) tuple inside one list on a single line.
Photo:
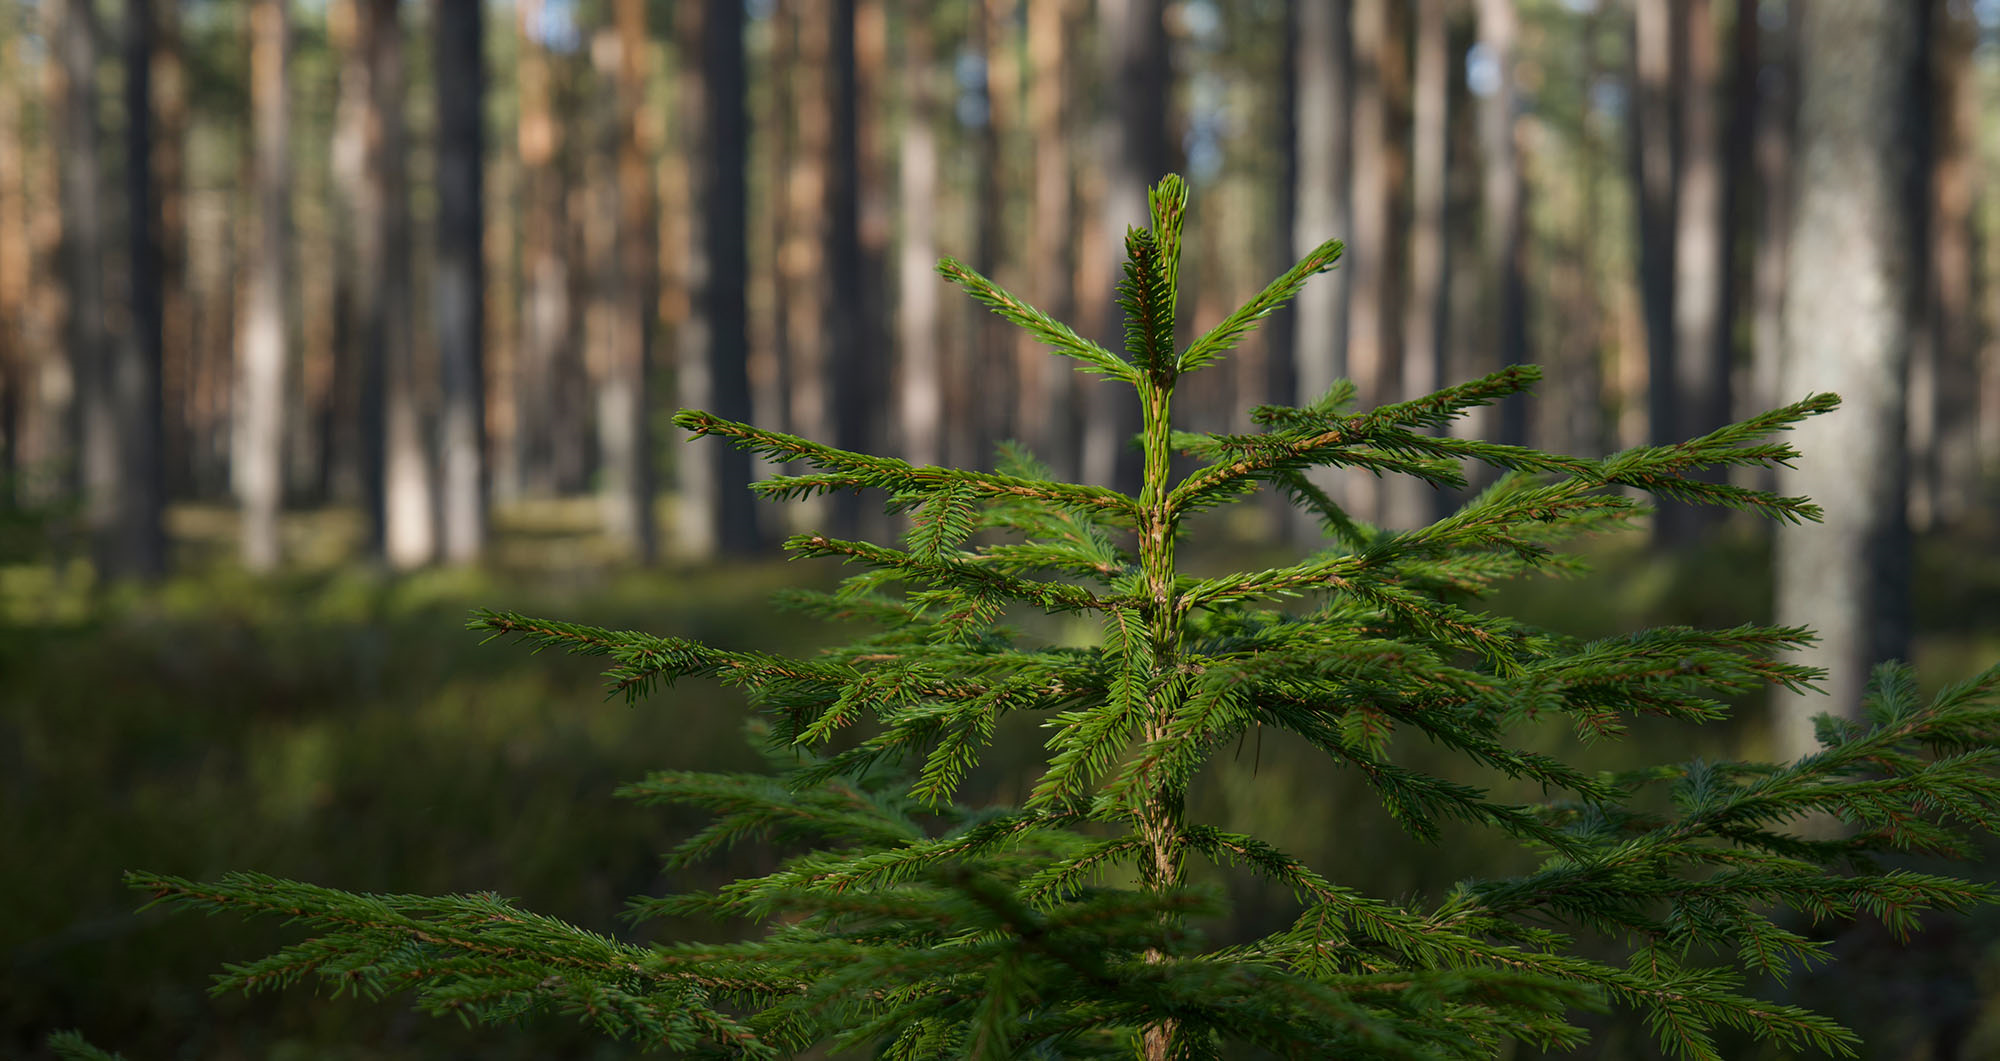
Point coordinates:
[(398, 459), (995, 377), (860, 392), (1320, 194), (16, 355), (1411, 502), (1944, 377), (348, 475), (312, 431), (1504, 212), (1698, 361), (546, 320), (802, 255), (259, 406), (74, 107), (1369, 254), (1575, 396), (1655, 153), (684, 278), (1320, 50), (501, 258), (1045, 401), (459, 38), (593, 224), (216, 253), (1280, 333), (624, 300), (851, 383), (771, 146), (169, 163), (1848, 316), (1777, 101), (725, 228), (1135, 149), (45, 428), (920, 386), (575, 368), (135, 543), (1746, 64)]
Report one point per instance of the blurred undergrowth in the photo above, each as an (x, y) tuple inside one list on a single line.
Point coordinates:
[(340, 725)]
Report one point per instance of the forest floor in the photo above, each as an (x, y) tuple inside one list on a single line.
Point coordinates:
[(340, 725)]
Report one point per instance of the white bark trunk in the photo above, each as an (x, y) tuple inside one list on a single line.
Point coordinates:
[(1847, 320)]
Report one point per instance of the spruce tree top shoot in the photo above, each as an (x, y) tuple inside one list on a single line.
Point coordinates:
[(918, 928)]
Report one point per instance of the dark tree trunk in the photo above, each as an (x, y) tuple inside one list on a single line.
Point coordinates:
[(546, 317), (1046, 399), (1282, 329), (169, 177), (459, 37), (1698, 361), (1410, 502), (1136, 149), (1944, 377), (725, 221), (135, 543), (399, 470), (861, 395), (1746, 66), (501, 261), (1372, 253), (853, 382), (1655, 153), (1504, 209), (1777, 103), (91, 420)]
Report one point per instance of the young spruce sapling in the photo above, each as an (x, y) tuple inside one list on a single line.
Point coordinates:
[(919, 928)]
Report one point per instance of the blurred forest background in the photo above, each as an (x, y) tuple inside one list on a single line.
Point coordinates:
[(324, 321)]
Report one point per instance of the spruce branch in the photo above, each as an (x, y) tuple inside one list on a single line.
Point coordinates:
[(955, 573), (847, 469), (1222, 338), (1305, 435), (1089, 356), (475, 956), (70, 1045)]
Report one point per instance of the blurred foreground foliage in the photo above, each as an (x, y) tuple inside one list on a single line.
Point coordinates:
[(338, 725)]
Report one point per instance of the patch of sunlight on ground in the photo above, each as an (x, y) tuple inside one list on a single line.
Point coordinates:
[(45, 593)]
